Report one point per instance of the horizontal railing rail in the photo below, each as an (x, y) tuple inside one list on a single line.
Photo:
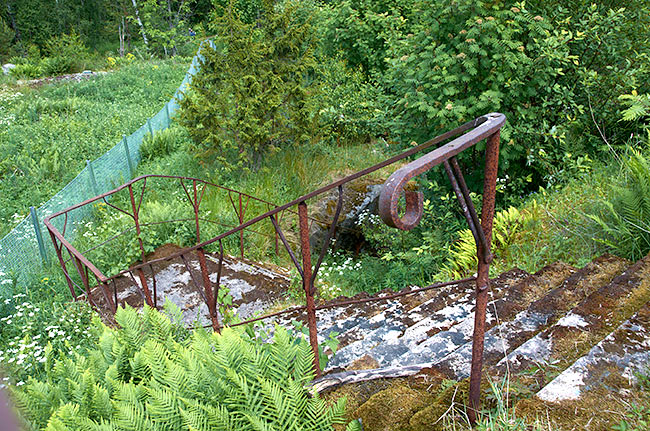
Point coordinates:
[(486, 127)]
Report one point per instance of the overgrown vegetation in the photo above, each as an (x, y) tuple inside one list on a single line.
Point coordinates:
[(151, 374), (46, 135), (290, 96)]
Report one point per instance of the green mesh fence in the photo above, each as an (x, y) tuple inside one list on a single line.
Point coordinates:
[(24, 250)]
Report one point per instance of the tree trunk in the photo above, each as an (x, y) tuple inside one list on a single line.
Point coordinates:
[(121, 31), (137, 17), (171, 27), (14, 26)]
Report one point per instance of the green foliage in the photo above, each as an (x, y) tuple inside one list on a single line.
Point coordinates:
[(465, 59), (67, 53), (637, 106), (507, 224), (326, 348), (47, 134), (624, 219), (350, 106), (163, 143), (607, 41), (251, 94), (30, 330), (362, 32), (247, 10), (140, 377), (27, 71), (166, 24), (6, 37)]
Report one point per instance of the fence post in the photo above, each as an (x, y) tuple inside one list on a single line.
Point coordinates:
[(150, 129), (167, 112), (39, 236), (128, 156), (93, 181)]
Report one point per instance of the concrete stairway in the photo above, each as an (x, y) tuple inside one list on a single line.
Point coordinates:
[(590, 324)]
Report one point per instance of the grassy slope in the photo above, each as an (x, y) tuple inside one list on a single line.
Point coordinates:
[(47, 133)]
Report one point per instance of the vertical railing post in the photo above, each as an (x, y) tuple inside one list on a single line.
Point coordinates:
[(136, 220), (277, 247), (167, 113), (241, 232), (306, 282), (57, 248), (93, 180), (150, 128), (482, 279), (128, 156), (210, 294), (39, 235)]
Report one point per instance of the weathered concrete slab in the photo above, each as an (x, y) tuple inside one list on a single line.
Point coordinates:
[(587, 323), (622, 354), (505, 337)]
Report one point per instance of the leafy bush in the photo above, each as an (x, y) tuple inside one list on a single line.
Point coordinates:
[(251, 94), (363, 32), (27, 71), (146, 376), (609, 57), (350, 106), (625, 220), (67, 54), (162, 143), (465, 59)]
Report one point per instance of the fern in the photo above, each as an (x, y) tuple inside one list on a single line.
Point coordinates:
[(624, 220), (228, 381), (506, 226)]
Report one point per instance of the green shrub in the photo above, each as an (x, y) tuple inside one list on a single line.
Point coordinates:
[(624, 221), (27, 71), (163, 143), (363, 31), (350, 106), (610, 56), (144, 375), (251, 94), (465, 59), (67, 53), (55, 66)]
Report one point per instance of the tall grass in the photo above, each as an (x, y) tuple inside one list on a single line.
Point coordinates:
[(48, 133)]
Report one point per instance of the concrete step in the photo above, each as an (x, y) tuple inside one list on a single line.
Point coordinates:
[(586, 324), (253, 286), (516, 299), (394, 343), (505, 337), (613, 362)]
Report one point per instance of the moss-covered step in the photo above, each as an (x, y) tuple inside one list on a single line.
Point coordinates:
[(506, 336), (586, 324), (614, 362)]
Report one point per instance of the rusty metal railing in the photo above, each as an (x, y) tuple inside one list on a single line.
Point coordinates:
[(486, 127)]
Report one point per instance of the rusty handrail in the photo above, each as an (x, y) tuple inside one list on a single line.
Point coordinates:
[(485, 127)]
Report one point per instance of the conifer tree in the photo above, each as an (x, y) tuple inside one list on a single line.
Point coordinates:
[(252, 92)]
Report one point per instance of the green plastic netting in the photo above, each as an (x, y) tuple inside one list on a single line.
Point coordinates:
[(20, 253)]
